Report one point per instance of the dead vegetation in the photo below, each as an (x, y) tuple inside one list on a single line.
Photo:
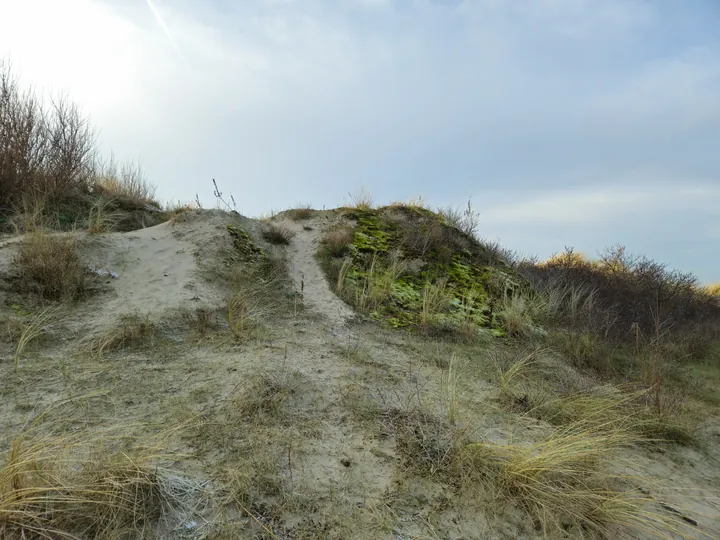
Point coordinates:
[(100, 485), (49, 265), (277, 234), (131, 332), (301, 213), (338, 240), (51, 171)]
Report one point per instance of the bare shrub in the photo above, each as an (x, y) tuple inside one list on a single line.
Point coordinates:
[(629, 291), (467, 219), (48, 152), (21, 138)]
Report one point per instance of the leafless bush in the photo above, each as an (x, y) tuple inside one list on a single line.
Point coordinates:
[(21, 138), (48, 153), (631, 292), (467, 220)]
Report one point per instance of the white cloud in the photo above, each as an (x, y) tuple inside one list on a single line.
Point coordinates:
[(603, 203)]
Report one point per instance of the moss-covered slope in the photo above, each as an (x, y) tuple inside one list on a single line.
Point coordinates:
[(407, 266)]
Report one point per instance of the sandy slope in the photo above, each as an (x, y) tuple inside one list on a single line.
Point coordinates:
[(351, 472)]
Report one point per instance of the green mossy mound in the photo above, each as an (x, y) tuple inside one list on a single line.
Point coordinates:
[(408, 267), (244, 244)]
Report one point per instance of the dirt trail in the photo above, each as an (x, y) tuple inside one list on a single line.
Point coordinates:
[(309, 277)]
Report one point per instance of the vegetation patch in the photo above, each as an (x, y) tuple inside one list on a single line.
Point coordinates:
[(88, 486), (404, 265), (50, 266), (244, 244), (277, 234)]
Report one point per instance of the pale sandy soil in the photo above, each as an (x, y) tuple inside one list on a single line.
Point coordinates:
[(342, 477)]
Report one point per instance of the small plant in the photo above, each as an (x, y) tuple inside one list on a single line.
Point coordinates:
[(84, 486), (466, 220), (277, 234), (342, 274), (50, 265), (362, 200), (436, 300), (266, 398), (450, 384), (132, 332), (202, 320), (521, 312), (301, 213), (222, 203), (245, 309), (101, 218), (33, 330), (337, 241)]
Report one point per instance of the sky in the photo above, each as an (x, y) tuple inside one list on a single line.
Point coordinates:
[(583, 123)]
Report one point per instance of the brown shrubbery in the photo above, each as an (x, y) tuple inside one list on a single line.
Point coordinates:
[(625, 297), (50, 167)]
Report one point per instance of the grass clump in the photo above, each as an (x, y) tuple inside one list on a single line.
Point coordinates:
[(268, 396), (301, 213), (565, 481), (131, 332), (102, 218), (33, 330), (337, 241), (50, 265), (277, 234), (83, 486), (651, 413)]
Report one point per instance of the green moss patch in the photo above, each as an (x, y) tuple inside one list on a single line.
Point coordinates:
[(408, 268), (244, 244)]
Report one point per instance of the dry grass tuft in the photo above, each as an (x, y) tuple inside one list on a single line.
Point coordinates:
[(338, 241), (132, 332), (102, 218), (266, 398), (436, 300), (301, 213), (50, 265), (362, 200), (84, 486), (277, 234), (34, 329), (126, 180), (565, 481)]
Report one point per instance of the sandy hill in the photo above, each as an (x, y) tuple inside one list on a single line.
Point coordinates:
[(341, 374)]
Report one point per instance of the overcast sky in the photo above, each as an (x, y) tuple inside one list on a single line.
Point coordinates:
[(570, 122)]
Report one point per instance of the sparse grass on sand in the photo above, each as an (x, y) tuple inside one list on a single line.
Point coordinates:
[(34, 329), (657, 416), (131, 332), (301, 213)]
